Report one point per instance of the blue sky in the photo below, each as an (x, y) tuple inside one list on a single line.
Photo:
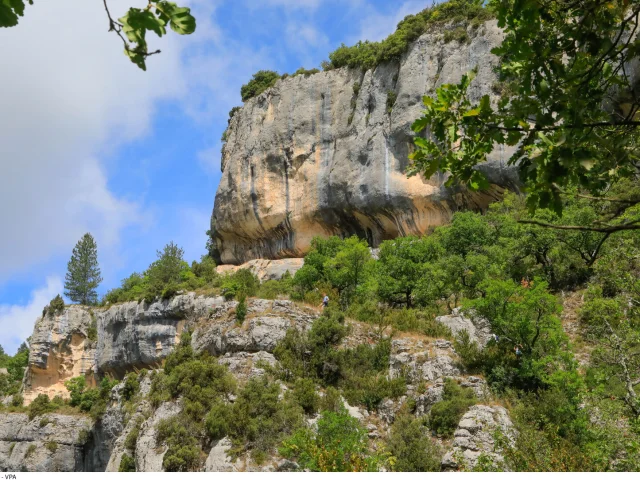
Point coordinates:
[(89, 143)]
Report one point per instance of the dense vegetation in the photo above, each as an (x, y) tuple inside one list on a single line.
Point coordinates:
[(15, 365), (367, 55)]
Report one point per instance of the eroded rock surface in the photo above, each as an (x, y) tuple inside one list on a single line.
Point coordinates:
[(266, 269), (60, 349), (52, 443), (475, 437), (478, 328), (325, 154)]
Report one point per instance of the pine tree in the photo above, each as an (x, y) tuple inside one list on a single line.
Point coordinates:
[(83, 275)]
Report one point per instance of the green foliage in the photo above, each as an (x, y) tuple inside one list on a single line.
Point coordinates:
[(391, 100), (92, 400), (183, 453), (412, 447), (51, 446), (127, 464), (41, 405), (446, 414), (10, 384), (257, 420), (558, 106), (131, 386), (367, 55), (261, 81), (305, 72), (338, 445), (83, 272), (304, 392), (241, 309), (240, 281), (55, 307)]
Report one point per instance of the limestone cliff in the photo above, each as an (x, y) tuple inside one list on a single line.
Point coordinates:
[(326, 154)]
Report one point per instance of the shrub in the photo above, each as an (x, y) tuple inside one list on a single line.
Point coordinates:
[(93, 400), (411, 445), (240, 281), (340, 444), (30, 451), (261, 81), (241, 309), (131, 386), (446, 414), (17, 400), (331, 401), (183, 452), (92, 331), (391, 100), (305, 72), (257, 420), (304, 392), (56, 306), (40, 406), (51, 446), (127, 464), (131, 439)]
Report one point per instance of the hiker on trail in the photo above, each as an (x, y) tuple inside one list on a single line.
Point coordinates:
[(325, 301)]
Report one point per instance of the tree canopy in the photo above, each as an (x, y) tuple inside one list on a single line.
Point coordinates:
[(83, 272)]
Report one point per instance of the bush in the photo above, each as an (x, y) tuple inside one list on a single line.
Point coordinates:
[(331, 401), (240, 281), (411, 445), (261, 81), (93, 400), (367, 55), (17, 400), (241, 309), (304, 392), (257, 420), (92, 331), (127, 464), (40, 406), (446, 414), (305, 72), (131, 386), (183, 452), (56, 306), (131, 439), (391, 100), (51, 446), (340, 444)]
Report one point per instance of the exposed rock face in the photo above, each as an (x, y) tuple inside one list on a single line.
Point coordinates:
[(55, 445), (475, 437), (266, 269), (59, 350), (141, 335), (478, 328), (324, 154), (267, 322)]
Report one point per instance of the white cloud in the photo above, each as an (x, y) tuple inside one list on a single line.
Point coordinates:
[(69, 96), (16, 321)]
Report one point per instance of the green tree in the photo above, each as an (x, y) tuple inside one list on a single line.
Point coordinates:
[(131, 28), (165, 273), (347, 270), (567, 104), (411, 445), (83, 273), (400, 266)]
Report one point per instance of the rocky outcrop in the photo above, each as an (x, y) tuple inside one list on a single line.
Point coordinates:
[(52, 443), (266, 269), (478, 328), (475, 437), (60, 348), (326, 154)]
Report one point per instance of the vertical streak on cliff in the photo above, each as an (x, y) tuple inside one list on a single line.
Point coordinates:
[(386, 167)]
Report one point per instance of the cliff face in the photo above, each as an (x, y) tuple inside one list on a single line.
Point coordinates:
[(131, 336), (326, 154)]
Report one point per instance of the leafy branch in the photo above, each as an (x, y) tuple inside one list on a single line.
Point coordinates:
[(131, 28)]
